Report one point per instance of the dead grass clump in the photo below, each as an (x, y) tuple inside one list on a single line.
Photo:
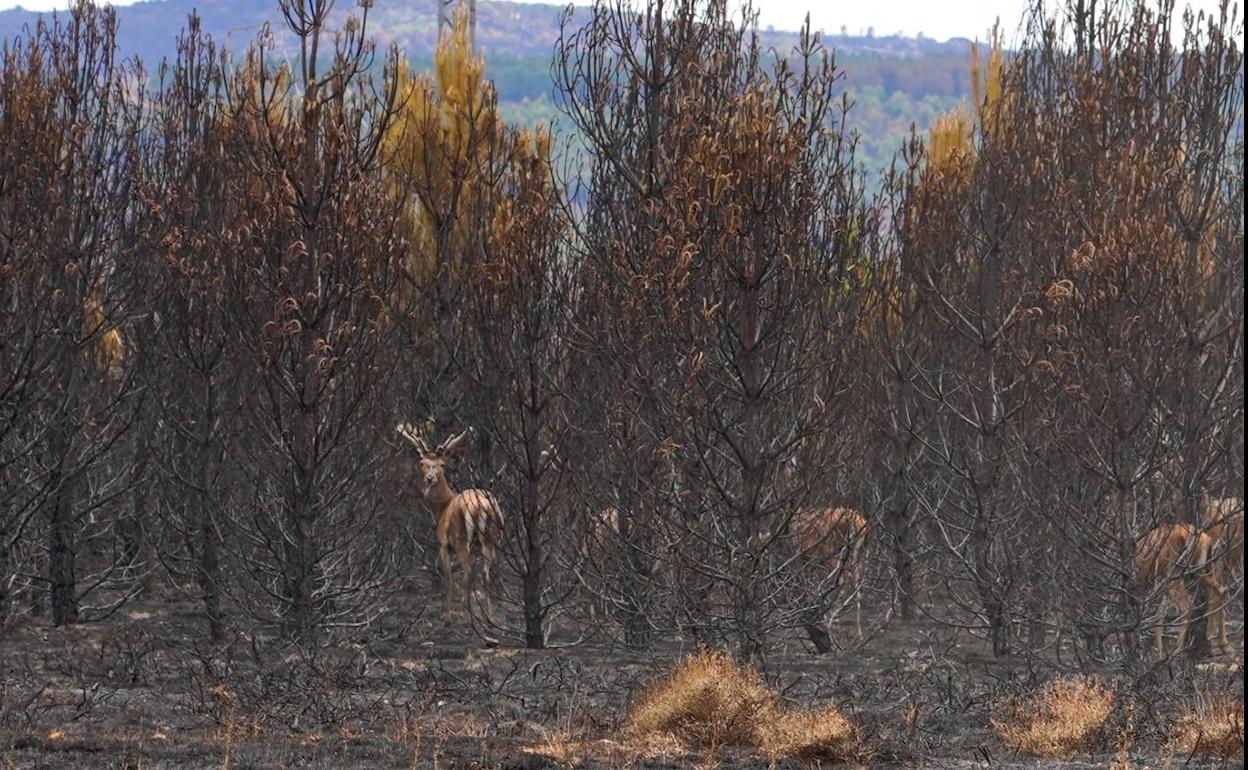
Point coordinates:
[(557, 745), (709, 700), (1213, 726), (811, 735), (1064, 718)]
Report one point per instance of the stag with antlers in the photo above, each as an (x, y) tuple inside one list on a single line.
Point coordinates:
[(466, 520)]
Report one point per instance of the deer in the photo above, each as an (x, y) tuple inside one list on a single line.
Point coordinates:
[(831, 539), (1172, 553), (601, 533), (598, 544), (463, 519), (1222, 519)]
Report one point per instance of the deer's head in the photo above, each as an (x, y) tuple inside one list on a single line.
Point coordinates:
[(432, 461)]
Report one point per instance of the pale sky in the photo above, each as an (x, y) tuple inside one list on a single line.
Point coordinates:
[(935, 19)]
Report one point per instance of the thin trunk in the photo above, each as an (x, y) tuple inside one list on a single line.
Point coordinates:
[(132, 528), (298, 561), (37, 591), (207, 569), (62, 576), (5, 577), (903, 558), (998, 627), (985, 584), (747, 610), (534, 613), (299, 549)]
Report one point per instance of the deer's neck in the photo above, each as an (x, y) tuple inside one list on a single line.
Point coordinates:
[(439, 495)]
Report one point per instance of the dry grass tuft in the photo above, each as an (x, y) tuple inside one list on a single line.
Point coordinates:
[(558, 746), (1213, 726), (811, 735), (1064, 718), (709, 700)]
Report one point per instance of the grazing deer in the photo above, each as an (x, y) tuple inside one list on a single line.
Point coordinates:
[(832, 539), (1173, 553), (463, 519)]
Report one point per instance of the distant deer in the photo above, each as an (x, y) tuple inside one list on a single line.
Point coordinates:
[(832, 539), (598, 545), (600, 535), (464, 519), (1173, 553)]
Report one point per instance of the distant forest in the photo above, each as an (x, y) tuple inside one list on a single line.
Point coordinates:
[(893, 82), (889, 93)]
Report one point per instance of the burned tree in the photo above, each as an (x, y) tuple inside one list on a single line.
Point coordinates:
[(194, 375), (70, 128), (724, 226), (308, 286), (520, 367)]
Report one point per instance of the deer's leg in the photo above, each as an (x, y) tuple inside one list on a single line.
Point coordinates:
[(858, 613), (444, 559), (1236, 578), (487, 560), (857, 587), (1159, 623), (1183, 602), (1215, 599)]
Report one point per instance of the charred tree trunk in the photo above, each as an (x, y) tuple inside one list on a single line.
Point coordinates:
[(534, 567), (900, 523), (62, 555), (207, 569), (818, 634), (132, 529), (6, 570), (298, 564)]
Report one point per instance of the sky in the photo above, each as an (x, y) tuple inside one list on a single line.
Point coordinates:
[(935, 19)]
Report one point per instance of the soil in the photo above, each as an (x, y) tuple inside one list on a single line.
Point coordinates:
[(145, 688)]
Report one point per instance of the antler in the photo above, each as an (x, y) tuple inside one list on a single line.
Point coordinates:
[(409, 432), (448, 446)]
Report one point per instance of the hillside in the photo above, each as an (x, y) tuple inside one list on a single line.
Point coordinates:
[(893, 81), (504, 28)]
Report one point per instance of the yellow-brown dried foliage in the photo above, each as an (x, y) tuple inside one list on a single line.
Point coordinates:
[(710, 700), (1213, 725), (1064, 718)]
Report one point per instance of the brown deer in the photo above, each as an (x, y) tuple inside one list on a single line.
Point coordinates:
[(1173, 553), (464, 519), (831, 539), (1223, 521)]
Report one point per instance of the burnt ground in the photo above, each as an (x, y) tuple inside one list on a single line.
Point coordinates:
[(143, 689)]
